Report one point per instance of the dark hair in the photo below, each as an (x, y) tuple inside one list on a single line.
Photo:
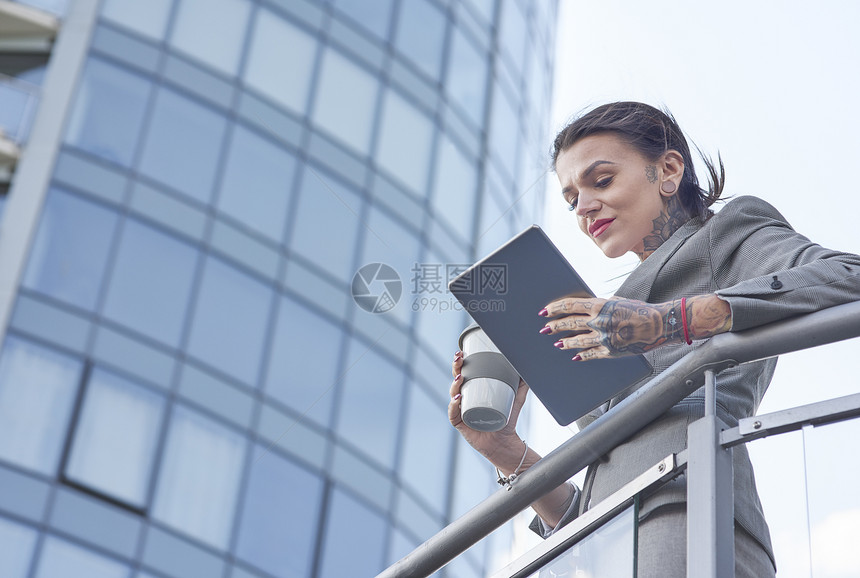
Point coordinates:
[(652, 132)]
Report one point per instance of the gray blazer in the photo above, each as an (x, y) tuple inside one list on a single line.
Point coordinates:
[(735, 254)]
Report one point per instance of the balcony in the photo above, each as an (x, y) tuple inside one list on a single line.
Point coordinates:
[(19, 20)]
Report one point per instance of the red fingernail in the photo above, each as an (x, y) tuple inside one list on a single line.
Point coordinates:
[(559, 343), (543, 312), (576, 357), (546, 330), (456, 377), (456, 397)]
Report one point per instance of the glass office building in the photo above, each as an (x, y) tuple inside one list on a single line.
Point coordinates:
[(204, 370)]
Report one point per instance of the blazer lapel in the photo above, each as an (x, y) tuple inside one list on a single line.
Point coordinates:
[(638, 285)]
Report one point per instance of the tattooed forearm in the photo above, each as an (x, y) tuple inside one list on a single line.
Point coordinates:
[(627, 326), (708, 315)]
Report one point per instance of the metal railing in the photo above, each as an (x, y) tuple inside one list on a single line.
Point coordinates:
[(619, 423)]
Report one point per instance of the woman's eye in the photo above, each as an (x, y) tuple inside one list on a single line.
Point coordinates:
[(571, 205), (603, 183)]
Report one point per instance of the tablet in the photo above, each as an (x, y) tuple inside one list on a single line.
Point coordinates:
[(504, 292)]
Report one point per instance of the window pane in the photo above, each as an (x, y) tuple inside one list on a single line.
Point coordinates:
[(115, 438), (455, 185), (37, 391), (148, 18), (299, 336), (421, 35), (373, 16), (183, 145), (16, 549), (257, 183), (504, 133), (279, 519), (151, 283), (69, 255), (321, 195), (347, 552), (199, 477), (61, 559), (108, 113), (370, 403), (212, 31), (404, 144), (427, 448), (283, 80), (345, 101), (230, 318), (467, 77)]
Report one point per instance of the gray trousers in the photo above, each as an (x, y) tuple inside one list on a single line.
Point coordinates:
[(662, 551)]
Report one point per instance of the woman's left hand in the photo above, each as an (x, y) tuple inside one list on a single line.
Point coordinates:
[(602, 328)]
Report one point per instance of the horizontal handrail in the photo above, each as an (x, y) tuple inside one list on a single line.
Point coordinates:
[(622, 421)]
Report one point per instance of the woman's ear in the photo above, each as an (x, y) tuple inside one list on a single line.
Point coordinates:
[(672, 168)]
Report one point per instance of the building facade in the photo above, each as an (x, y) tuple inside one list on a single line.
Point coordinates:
[(204, 369)]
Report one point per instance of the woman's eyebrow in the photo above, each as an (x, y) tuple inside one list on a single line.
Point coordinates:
[(591, 168)]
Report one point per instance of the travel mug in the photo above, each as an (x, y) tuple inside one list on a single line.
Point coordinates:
[(489, 382)]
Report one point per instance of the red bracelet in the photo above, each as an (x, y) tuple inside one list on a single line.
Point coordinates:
[(684, 321)]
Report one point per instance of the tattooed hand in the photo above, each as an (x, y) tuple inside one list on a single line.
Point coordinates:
[(601, 328)]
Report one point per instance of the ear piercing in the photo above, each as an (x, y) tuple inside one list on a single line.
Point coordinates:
[(668, 187)]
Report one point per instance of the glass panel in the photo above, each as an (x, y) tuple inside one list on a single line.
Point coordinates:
[(60, 559), (421, 35), (404, 143), (467, 77), (37, 390), (608, 551), (455, 187), (115, 438), (373, 16), (514, 26), (302, 335), (151, 282), (183, 145), (347, 552), (149, 18), (69, 255), (322, 197), (370, 403), (345, 101), (284, 80), (199, 478), (16, 549), (427, 448), (278, 496), (18, 100), (504, 133), (257, 183), (212, 31), (57, 7), (230, 318), (108, 112)]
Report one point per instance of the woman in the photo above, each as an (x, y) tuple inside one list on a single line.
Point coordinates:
[(626, 170)]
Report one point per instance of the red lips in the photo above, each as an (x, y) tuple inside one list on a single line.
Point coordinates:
[(599, 226)]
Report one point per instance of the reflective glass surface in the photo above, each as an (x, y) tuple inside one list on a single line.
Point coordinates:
[(57, 7), (467, 77), (212, 31), (370, 403), (345, 101), (16, 548), (108, 112), (420, 35), (115, 438), (300, 336), (199, 478), (406, 136), (455, 180), (149, 18), (150, 283), (37, 391), (61, 559), (229, 324), (183, 145), (284, 80), (257, 183), (278, 494), (372, 16), (503, 130), (427, 448), (347, 552), (323, 199), (69, 255)]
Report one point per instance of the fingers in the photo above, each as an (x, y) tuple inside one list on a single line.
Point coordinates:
[(573, 306), (570, 323)]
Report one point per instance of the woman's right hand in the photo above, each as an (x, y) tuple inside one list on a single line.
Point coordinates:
[(503, 448)]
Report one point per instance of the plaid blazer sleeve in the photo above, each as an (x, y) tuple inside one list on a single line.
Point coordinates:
[(767, 271)]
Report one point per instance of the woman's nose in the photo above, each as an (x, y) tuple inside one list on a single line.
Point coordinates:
[(586, 204)]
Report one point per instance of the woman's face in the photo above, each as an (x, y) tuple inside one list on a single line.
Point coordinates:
[(615, 192)]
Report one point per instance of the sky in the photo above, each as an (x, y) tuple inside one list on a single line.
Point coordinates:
[(772, 88)]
